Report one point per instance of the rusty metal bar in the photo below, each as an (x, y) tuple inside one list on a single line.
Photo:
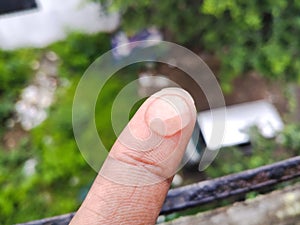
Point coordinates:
[(231, 185), (213, 190)]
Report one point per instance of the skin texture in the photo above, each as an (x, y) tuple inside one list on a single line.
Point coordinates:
[(135, 178)]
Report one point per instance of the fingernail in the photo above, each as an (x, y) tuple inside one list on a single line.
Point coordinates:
[(169, 112)]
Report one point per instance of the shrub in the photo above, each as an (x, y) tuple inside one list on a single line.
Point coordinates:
[(245, 35), (15, 73), (62, 177)]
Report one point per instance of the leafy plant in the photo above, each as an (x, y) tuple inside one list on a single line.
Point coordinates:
[(59, 177), (290, 138), (253, 35), (78, 52), (15, 73), (261, 152)]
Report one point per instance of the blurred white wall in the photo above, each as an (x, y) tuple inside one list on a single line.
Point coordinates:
[(51, 22)]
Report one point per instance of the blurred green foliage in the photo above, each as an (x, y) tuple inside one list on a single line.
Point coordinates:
[(262, 151), (79, 51), (290, 137), (62, 176), (15, 73), (260, 35)]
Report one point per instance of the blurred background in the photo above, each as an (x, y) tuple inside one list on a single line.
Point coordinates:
[(46, 46)]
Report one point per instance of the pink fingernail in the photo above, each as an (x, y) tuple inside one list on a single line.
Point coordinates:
[(169, 112)]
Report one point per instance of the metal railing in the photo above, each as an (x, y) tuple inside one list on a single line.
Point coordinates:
[(214, 190)]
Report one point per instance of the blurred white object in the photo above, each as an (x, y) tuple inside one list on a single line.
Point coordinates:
[(150, 83), (158, 81), (241, 117), (29, 167), (161, 219), (52, 21), (177, 180), (31, 109)]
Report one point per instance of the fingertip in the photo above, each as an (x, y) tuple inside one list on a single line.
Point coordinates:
[(171, 110), (135, 177)]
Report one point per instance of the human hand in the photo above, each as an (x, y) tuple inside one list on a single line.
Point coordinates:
[(135, 178)]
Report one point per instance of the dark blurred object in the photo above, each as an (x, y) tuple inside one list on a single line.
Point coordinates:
[(10, 6)]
